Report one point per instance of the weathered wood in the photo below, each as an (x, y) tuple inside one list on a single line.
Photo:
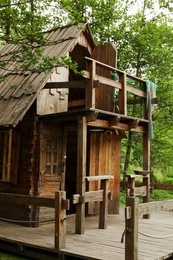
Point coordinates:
[(60, 220), (162, 186), (81, 173), (119, 126), (116, 70), (89, 196), (123, 95), (75, 103), (99, 177), (108, 82), (27, 200), (103, 215), (146, 208), (147, 165), (90, 90), (131, 227), (67, 84), (138, 191)]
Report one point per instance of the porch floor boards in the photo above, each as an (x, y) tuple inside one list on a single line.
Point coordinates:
[(100, 244)]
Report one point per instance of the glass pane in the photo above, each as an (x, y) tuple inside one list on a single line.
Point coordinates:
[(48, 169), (55, 169), (48, 157), (48, 145), (55, 157)]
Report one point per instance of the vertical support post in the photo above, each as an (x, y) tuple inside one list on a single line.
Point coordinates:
[(123, 95), (60, 220), (81, 174), (90, 90), (104, 205), (146, 166), (131, 239)]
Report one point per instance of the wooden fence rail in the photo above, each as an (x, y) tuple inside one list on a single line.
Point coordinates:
[(59, 203), (132, 211)]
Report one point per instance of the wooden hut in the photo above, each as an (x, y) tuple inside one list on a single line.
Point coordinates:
[(57, 128)]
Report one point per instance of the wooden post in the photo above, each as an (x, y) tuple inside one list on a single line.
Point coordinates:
[(146, 166), (123, 95), (131, 227), (60, 220), (81, 174), (90, 90), (104, 205)]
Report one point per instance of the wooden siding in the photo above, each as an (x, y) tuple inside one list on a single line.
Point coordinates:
[(104, 94), (51, 101)]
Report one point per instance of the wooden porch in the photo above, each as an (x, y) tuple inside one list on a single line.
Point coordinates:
[(100, 244)]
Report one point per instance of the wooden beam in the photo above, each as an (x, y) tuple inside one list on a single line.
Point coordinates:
[(114, 126), (123, 95), (76, 103), (60, 220), (103, 214), (134, 123), (135, 91), (147, 165), (81, 173), (67, 84), (108, 82), (155, 206), (138, 191), (90, 90), (89, 196), (99, 177), (131, 227), (27, 200)]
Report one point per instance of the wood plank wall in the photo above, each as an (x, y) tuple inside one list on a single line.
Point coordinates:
[(105, 159), (104, 94)]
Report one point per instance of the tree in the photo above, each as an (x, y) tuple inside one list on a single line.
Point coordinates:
[(23, 22)]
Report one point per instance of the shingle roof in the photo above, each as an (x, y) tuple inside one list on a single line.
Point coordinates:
[(15, 99)]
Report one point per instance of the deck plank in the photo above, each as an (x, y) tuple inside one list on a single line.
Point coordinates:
[(99, 244)]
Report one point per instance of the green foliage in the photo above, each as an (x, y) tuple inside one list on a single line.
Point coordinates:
[(161, 195)]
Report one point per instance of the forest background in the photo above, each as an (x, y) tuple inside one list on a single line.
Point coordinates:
[(142, 33)]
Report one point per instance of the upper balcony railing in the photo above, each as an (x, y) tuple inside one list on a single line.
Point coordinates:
[(127, 95)]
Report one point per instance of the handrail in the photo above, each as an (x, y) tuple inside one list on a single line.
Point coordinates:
[(132, 211), (116, 70)]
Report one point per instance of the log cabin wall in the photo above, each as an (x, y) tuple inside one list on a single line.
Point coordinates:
[(27, 175)]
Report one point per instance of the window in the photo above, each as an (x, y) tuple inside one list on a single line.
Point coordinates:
[(51, 157), (9, 153)]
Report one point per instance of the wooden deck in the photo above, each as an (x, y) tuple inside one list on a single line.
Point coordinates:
[(96, 243)]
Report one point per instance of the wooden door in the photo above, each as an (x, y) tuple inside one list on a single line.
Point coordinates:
[(52, 165)]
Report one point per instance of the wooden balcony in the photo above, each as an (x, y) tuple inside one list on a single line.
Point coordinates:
[(110, 94)]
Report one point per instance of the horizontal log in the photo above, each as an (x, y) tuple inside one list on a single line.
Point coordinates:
[(67, 84), (75, 103), (136, 91), (90, 196), (161, 186), (137, 191), (27, 200), (100, 177), (115, 126), (146, 208), (115, 70), (106, 81)]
